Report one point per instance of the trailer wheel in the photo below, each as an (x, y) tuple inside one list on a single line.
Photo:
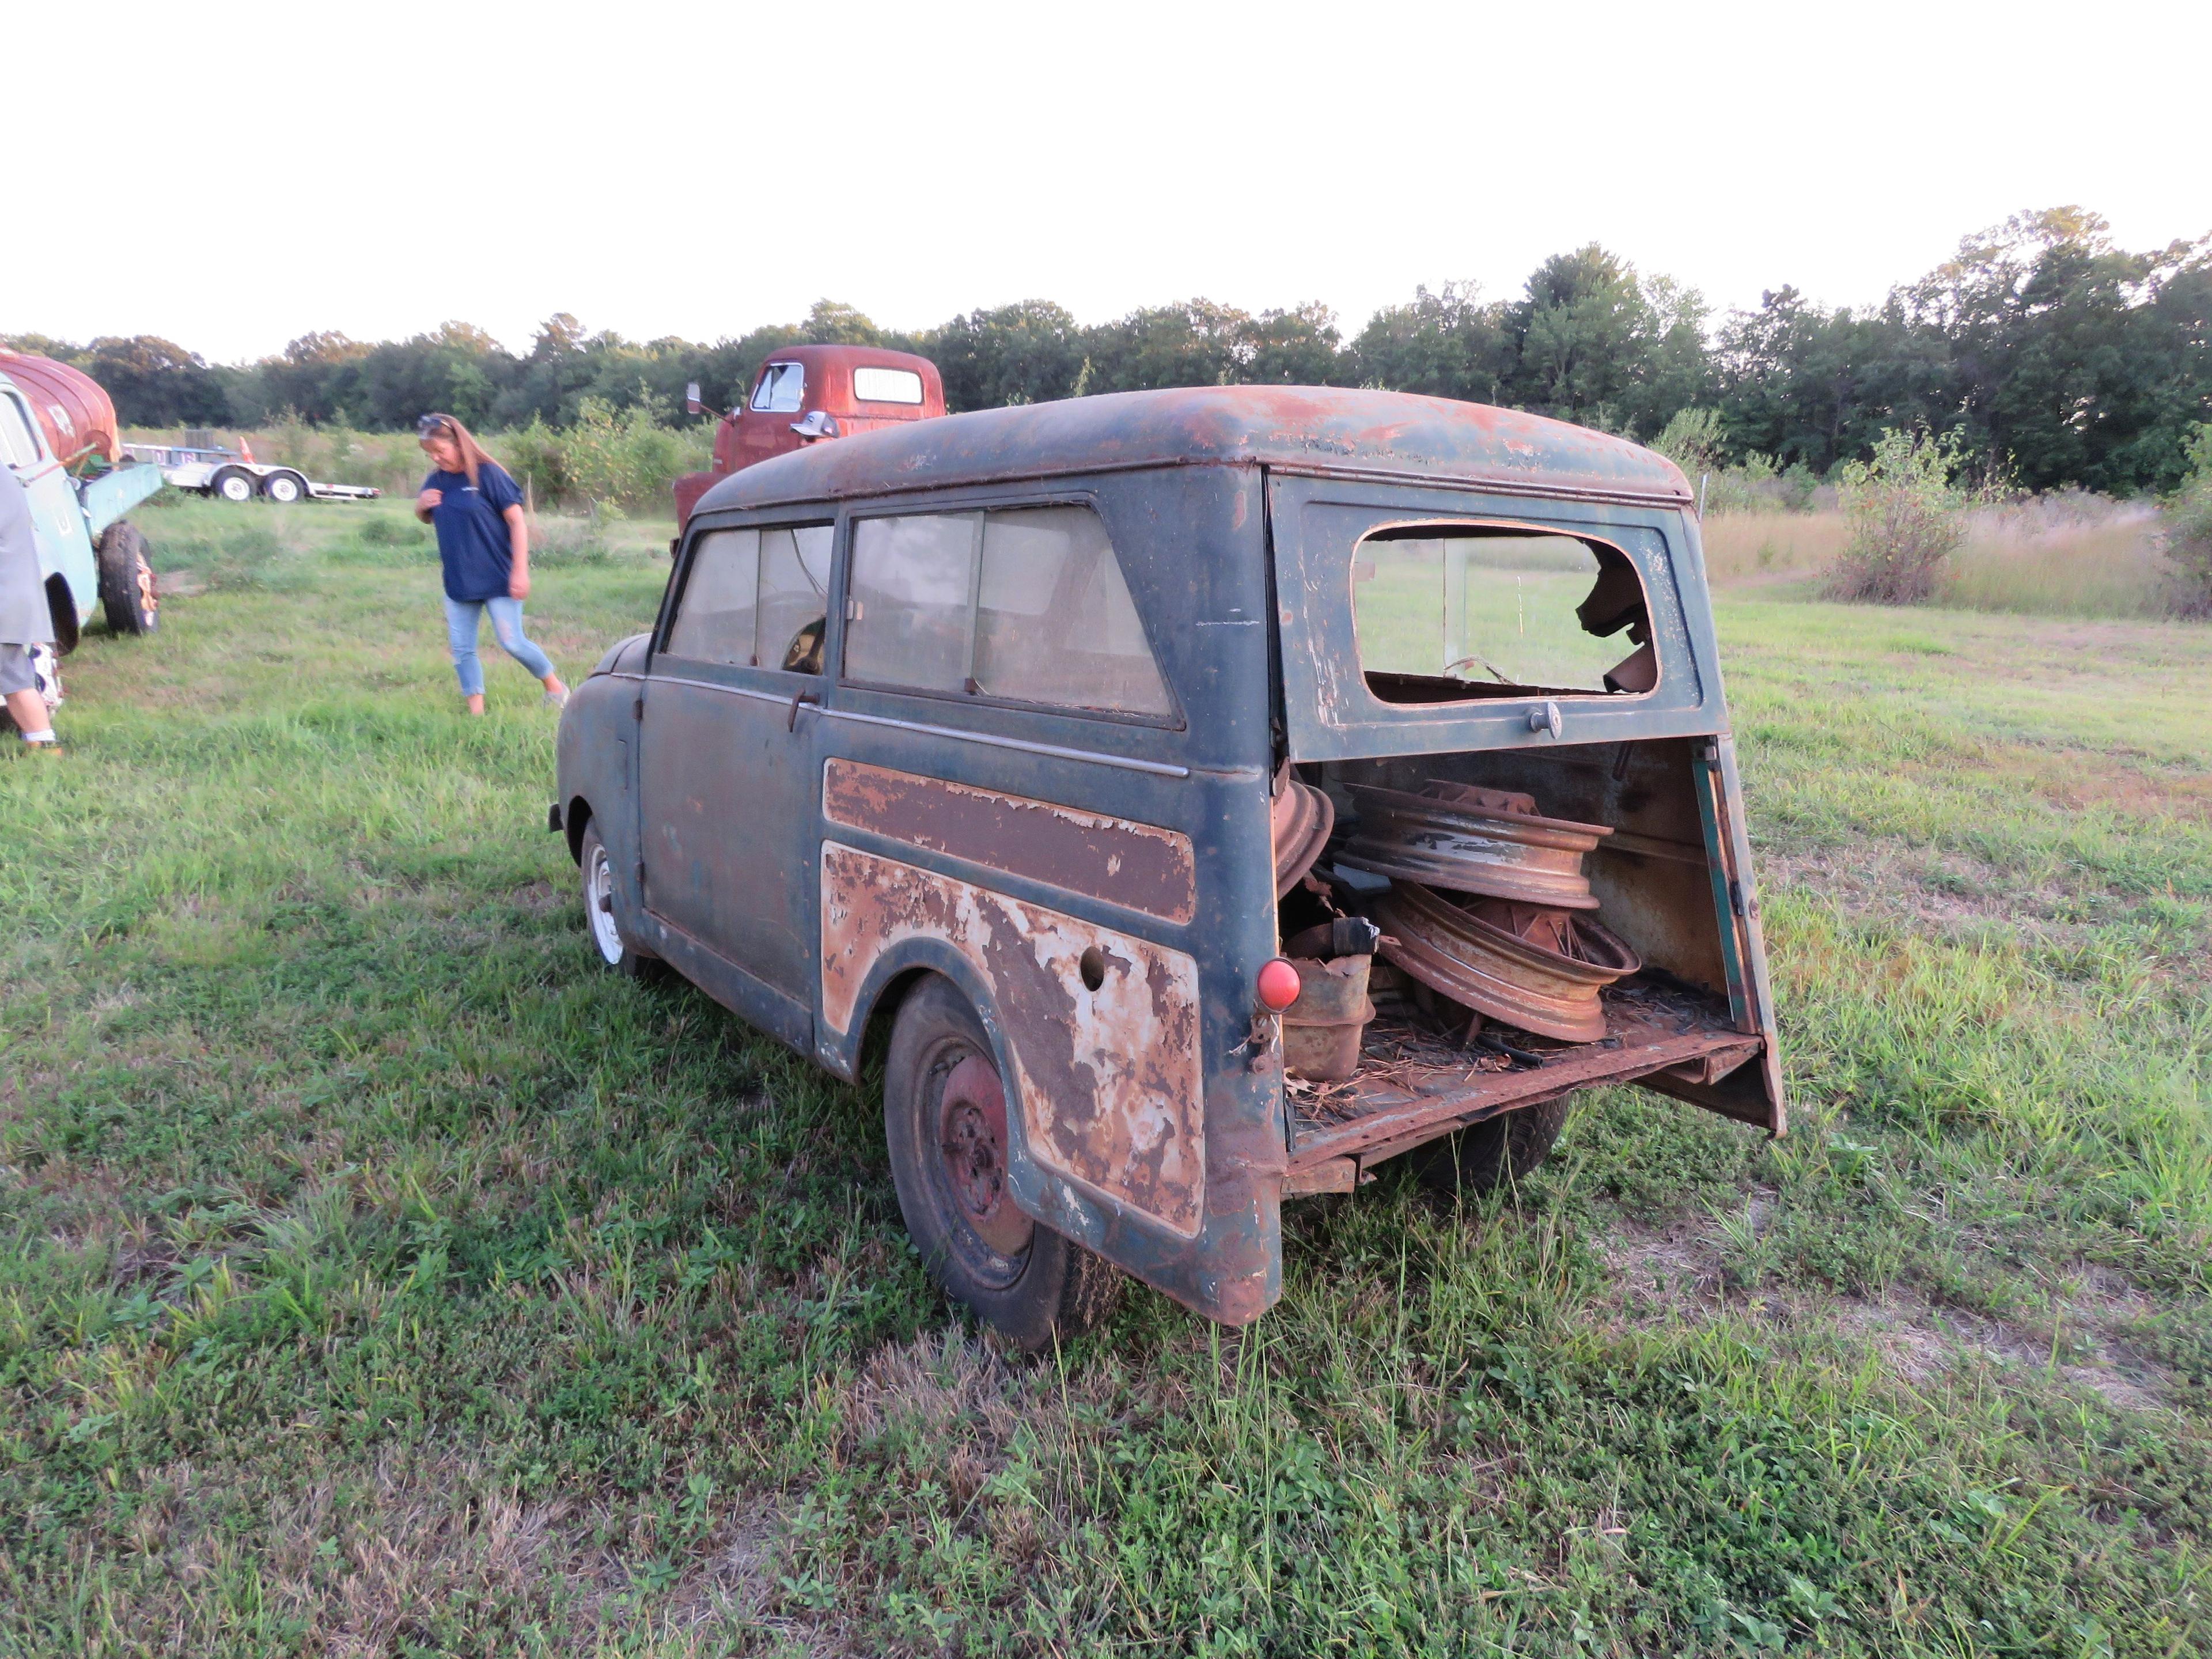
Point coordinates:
[(126, 581), (234, 484), (945, 1118), (284, 487), (1489, 1154)]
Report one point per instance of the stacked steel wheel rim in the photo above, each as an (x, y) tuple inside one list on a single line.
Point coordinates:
[(1525, 950)]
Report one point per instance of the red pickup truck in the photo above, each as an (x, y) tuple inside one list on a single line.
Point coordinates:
[(811, 393)]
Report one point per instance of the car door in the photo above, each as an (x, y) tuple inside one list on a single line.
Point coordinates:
[(64, 543), (729, 781)]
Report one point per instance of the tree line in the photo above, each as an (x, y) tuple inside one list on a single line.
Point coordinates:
[(2041, 349)]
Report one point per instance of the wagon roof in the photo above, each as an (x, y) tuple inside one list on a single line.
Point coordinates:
[(1323, 429)]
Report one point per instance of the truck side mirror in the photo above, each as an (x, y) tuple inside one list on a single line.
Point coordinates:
[(691, 404)]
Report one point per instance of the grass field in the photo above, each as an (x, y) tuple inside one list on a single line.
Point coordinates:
[(381, 1277)]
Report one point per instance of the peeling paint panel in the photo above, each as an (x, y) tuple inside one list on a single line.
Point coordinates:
[(1104, 1028), (1115, 860)]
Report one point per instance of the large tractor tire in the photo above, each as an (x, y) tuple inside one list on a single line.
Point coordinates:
[(126, 581)]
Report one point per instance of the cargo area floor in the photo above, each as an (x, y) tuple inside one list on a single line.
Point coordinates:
[(1419, 1077)]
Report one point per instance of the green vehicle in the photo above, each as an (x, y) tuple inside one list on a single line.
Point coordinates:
[(92, 557)]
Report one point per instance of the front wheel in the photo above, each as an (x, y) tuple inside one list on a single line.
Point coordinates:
[(617, 953), (234, 486), (945, 1119), (284, 487), (126, 581), (1495, 1152)]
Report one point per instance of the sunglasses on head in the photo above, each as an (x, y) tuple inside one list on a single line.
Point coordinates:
[(432, 424)]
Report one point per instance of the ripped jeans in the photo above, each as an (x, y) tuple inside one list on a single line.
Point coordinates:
[(462, 620)]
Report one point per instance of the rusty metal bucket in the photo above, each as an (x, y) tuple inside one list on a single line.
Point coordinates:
[(1472, 840), (1522, 980), (1322, 1029)]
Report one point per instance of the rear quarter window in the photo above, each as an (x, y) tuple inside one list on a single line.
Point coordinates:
[(1019, 604)]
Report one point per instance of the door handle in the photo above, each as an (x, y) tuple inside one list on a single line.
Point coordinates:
[(791, 720)]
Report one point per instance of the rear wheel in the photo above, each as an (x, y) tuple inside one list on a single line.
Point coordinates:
[(234, 485), (284, 487), (945, 1118), (617, 951), (126, 581), (1495, 1152)]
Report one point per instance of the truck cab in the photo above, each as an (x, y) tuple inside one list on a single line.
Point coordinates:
[(807, 393)]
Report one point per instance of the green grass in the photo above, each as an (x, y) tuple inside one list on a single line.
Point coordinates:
[(381, 1277)]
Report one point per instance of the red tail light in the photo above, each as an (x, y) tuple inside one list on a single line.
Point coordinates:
[(1279, 985)]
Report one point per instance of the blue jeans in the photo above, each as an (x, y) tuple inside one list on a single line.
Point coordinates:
[(462, 619)]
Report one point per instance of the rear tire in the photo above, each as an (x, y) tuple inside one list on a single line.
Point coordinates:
[(614, 949), (235, 486), (944, 1122), (1488, 1155), (284, 487), (126, 581)]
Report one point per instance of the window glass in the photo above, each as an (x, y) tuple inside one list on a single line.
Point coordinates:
[(1025, 604), (887, 385), (1053, 620), (1446, 615), (915, 580), (794, 603), (714, 618), (781, 387), (17, 440)]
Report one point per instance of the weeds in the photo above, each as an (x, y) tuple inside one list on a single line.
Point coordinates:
[(1905, 518)]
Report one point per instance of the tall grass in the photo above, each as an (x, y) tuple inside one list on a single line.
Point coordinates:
[(2077, 556)]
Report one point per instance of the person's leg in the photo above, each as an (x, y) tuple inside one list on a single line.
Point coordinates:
[(19, 684), (461, 621), (507, 625)]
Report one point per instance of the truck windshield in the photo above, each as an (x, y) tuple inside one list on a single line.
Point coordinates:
[(1446, 613), (782, 386)]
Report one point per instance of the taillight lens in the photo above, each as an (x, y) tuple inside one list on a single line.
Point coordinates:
[(1279, 985)]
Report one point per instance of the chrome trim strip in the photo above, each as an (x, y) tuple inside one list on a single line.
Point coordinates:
[(1127, 764), (1157, 768)]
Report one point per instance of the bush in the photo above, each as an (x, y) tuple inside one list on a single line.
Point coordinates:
[(609, 458), (1906, 520), (2188, 531)]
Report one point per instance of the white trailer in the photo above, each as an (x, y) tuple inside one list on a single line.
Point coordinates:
[(235, 477)]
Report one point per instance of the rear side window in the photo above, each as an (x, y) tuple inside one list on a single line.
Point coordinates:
[(755, 598), (887, 385), (1025, 605), (1452, 612), (783, 387)]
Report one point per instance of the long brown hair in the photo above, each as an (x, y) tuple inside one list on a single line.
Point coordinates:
[(473, 455)]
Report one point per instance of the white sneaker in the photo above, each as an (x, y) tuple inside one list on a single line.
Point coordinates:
[(555, 699)]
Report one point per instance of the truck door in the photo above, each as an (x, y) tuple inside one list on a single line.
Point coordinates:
[(729, 779), (64, 544)]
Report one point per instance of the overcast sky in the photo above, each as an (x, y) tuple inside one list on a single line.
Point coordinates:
[(231, 180)]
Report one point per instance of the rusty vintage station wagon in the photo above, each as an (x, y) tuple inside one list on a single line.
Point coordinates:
[(1211, 795)]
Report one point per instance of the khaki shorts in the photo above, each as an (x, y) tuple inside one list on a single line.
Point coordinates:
[(16, 673)]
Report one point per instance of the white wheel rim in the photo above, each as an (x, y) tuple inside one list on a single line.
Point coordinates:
[(599, 907), (284, 490), (235, 490)]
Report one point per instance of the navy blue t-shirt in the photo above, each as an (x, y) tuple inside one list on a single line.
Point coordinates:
[(473, 542)]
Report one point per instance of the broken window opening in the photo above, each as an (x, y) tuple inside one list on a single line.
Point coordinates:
[(1456, 612)]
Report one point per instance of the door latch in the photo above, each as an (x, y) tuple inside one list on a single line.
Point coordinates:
[(791, 720)]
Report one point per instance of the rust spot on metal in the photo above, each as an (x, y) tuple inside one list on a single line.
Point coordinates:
[(1108, 1080), (1116, 859)]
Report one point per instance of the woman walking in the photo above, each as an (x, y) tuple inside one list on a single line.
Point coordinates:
[(484, 544)]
